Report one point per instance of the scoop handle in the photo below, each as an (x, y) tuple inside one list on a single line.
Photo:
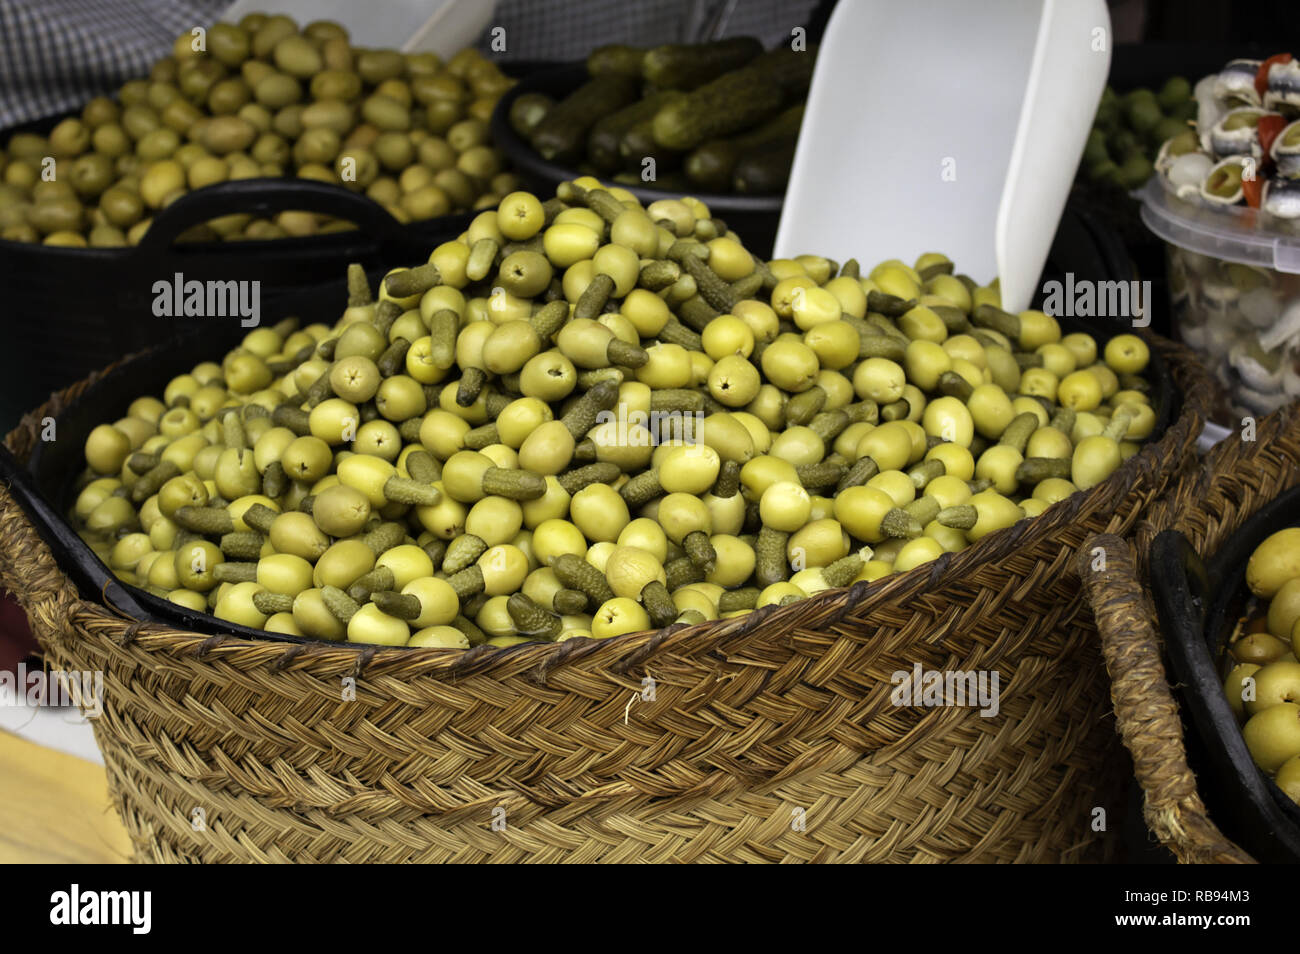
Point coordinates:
[(264, 197), (1066, 77)]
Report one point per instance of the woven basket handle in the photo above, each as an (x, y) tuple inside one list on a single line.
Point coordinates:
[(1145, 710)]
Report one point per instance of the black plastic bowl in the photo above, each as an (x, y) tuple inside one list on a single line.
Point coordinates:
[(72, 310), (1198, 604), (46, 487), (755, 217)]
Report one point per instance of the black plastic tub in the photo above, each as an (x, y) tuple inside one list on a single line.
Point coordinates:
[(46, 487), (1198, 604), (69, 311), (755, 217)]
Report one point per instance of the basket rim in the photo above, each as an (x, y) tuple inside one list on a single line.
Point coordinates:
[(631, 650)]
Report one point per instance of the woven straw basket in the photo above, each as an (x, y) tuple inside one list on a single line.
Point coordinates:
[(1209, 505), (769, 737)]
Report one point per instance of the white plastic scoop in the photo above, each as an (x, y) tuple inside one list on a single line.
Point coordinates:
[(946, 126)]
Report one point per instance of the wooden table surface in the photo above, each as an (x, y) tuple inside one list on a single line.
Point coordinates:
[(54, 808)]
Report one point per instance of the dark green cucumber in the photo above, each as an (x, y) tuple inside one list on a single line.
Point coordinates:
[(686, 66), (529, 110), (638, 144), (726, 105), (607, 134), (791, 70), (765, 170), (712, 165), (615, 59), (562, 132)]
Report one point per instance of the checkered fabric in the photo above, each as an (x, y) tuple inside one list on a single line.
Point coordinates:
[(57, 54), (553, 30)]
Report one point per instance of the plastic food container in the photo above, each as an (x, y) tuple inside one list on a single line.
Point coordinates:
[(75, 309), (1234, 283)]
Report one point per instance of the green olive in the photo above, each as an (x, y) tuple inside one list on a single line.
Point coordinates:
[(314, 618), (525, 273), (734, 381), (799, 446), (1094, 459), (520, 418), (378, 439), (690, 468), (340, 510), (307, 459), (236, 605), (400, 398), (297, 533), (194, 563), (494, 520), (186, 490), (785, 506), (53, 215), (343, 563), (360, 338), (373, 626), (548, 449), (69, 138), (817, 544), (791, 365), (355, 378), (107, 449), (599, 512), (617, 617)]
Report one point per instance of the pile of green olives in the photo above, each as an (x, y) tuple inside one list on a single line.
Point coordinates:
[(586, 417), (261, 98), (1129, 129)]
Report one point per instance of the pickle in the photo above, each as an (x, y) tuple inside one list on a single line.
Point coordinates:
[(408, 282), (581, 418), (770, 564), (1035, 470), (380, 578), (235, 572), (531, 619), (407, 491), (802, 407), (206, 520), (151, 481), (592, 301), (681, 572), (657, 602), (242, 545), (642, 489), (462, 552), (889, 305), (577, 574), (859, 472), (481, 256), (396, 604), (658, 275), (842, 572), (384, 537), (599, 473), (268, 604), (274, 480), (341, 606), (991, 316)]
